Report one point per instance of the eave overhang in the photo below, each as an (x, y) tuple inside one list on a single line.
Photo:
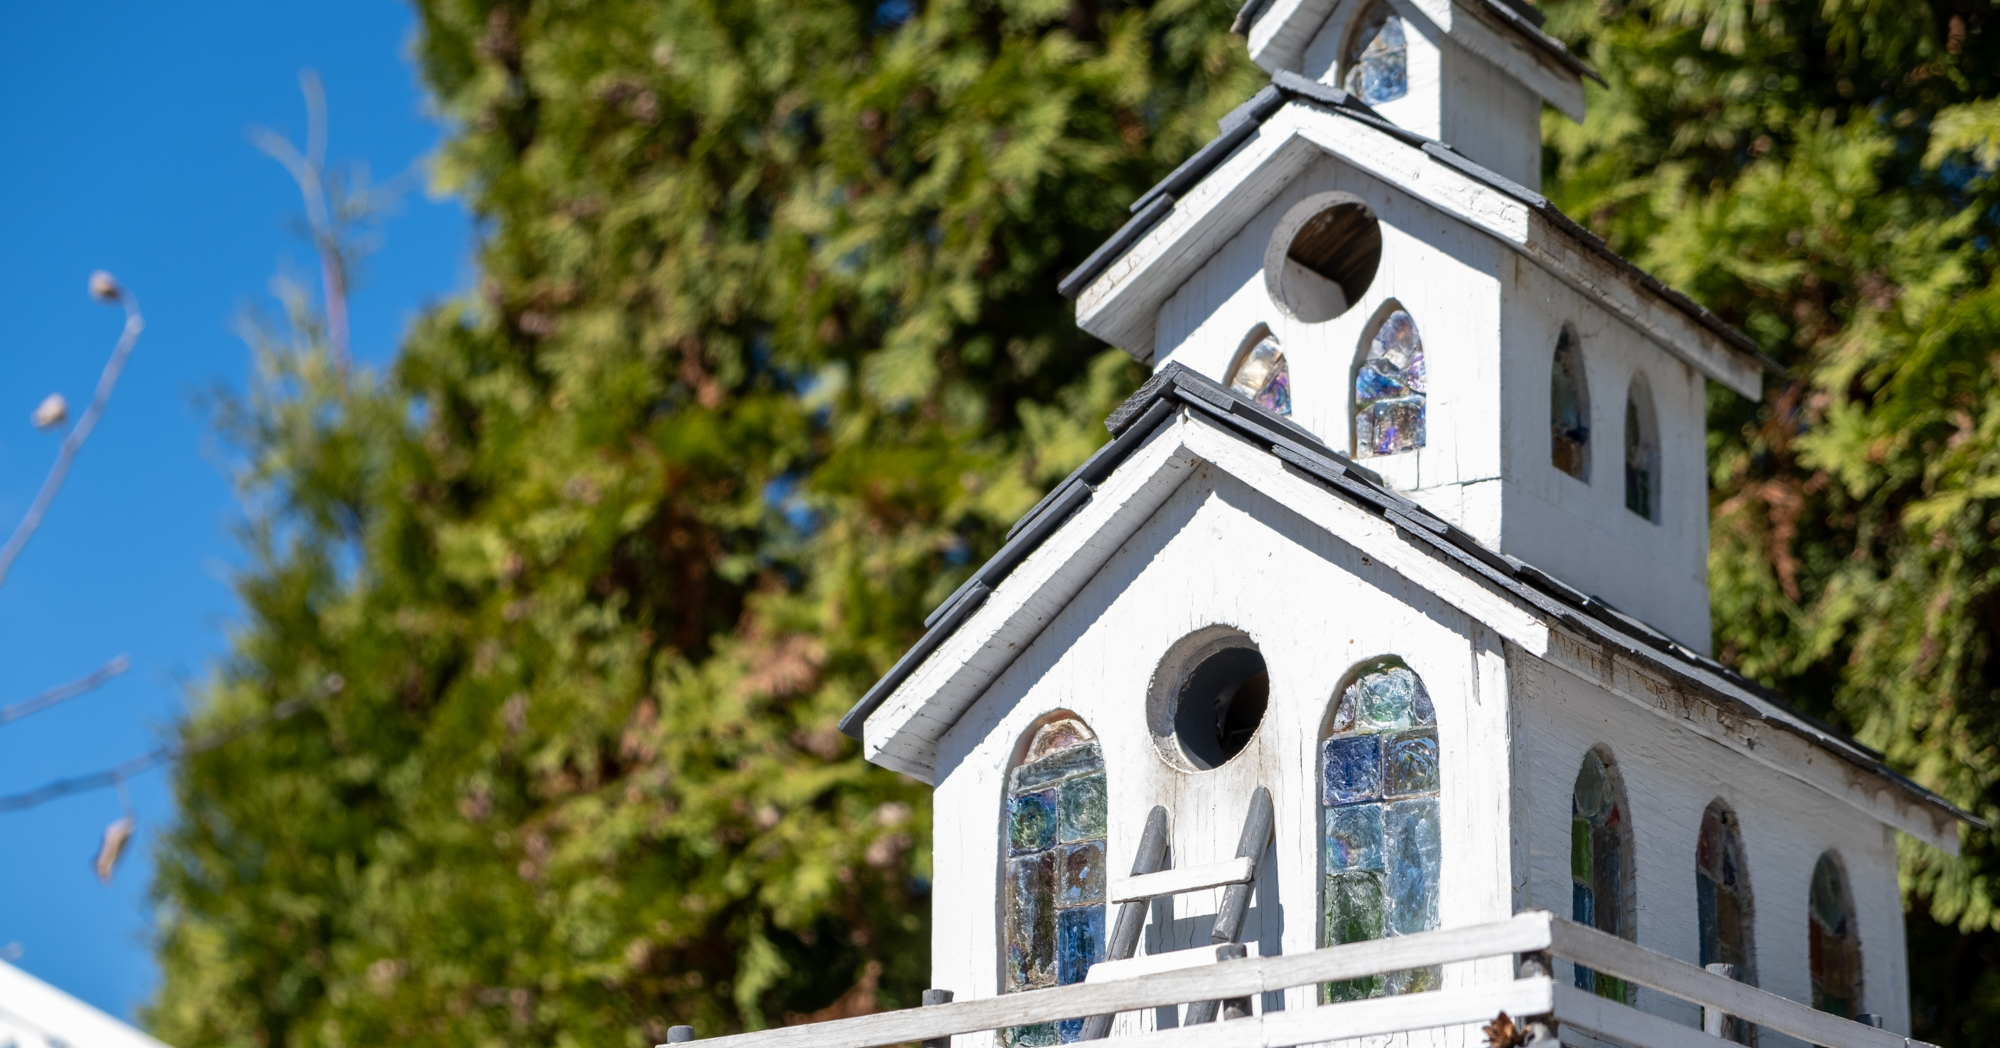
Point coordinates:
[(1277, 135), (1180, 420)]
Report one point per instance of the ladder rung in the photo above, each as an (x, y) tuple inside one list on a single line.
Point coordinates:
[(1184, 879), (1171, 961)]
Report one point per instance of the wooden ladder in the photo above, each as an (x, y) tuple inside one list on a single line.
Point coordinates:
[(1150, 880)]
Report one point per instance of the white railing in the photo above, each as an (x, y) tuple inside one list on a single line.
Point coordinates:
[(1532, 938)]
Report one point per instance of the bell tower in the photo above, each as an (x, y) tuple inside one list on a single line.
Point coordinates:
[(1469, 73)]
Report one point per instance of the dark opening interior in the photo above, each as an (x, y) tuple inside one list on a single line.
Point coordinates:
[(1343, 244), (1221, 703)]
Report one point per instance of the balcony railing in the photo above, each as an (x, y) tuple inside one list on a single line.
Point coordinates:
[(1534, 996)]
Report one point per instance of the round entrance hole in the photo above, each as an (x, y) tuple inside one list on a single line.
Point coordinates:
[(1323, 256), (1209, 696)]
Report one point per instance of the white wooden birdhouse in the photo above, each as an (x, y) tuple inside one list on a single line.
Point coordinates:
[(1385, 613)]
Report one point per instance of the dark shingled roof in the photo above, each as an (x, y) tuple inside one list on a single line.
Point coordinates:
[(1286, 86), (1175, 387)]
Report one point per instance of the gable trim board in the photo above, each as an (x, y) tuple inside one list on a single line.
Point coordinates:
[(1273, 138), (1179, 420)]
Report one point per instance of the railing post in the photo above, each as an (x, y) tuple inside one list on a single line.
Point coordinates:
[(680, 1034), (933, 998), (1712, 1020), (1234, 1007)]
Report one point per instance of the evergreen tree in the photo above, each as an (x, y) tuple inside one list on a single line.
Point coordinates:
[(765, 355)]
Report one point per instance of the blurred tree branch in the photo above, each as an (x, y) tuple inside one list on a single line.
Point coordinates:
[(64, 692), (104, 289)]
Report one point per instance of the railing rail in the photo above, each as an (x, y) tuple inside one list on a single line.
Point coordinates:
[(1537, 995)]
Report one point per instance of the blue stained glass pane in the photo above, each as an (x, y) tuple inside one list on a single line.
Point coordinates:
[(1080, 874), (1704, 905), (1378, 379), (1031, 821), (1582, 905), (1276, 396), (1080, 808), (1354, 838), (1413, 846), (1031, 922), (1079, 942), (1076, 760), (1412, 765), (1353, 770), (1413, 375)]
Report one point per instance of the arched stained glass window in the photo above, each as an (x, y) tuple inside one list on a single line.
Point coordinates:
[(1389, 390), (1055, 868), (1833, 948), (1263, 376), (1378, 63), (1569, 411), (1379, 801), (1722, 902), (1642, 452), (1600, 865)]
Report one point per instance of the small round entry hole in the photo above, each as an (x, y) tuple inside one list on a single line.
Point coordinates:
[(1323, 256), (1220, 704)]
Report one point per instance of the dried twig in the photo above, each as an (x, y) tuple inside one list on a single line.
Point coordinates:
[(167, 754), (308, 169), (108, 290), (64, 692)]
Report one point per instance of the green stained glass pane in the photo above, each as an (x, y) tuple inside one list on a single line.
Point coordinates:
[(1075, 760), (1414, 980), (1580, 865), (1031, 821), (1040, 1035), (1080, 808), (1388, 700), (1353, 907)]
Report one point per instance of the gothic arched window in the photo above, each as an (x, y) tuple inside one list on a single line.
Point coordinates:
[(1389, 390), (1261, 374), (1377, 62), (1379, 802), (1833, 947), (1600, 864), (1722, 902), (1642, 452), (1055, 867), (1569, 411)]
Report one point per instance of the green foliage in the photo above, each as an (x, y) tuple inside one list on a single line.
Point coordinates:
[(1822, 175), (764, 357)]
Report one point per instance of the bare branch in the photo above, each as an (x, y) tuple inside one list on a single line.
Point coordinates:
[(117, 774), (65, 692), (73, 441), (308, 169)]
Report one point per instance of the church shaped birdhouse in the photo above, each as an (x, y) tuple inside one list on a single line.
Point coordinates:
[(1384, 615)]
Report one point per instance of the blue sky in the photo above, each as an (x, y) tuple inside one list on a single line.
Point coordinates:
[(123, 146)]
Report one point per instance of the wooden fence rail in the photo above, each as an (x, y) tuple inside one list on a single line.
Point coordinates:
[(1534, 932)]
